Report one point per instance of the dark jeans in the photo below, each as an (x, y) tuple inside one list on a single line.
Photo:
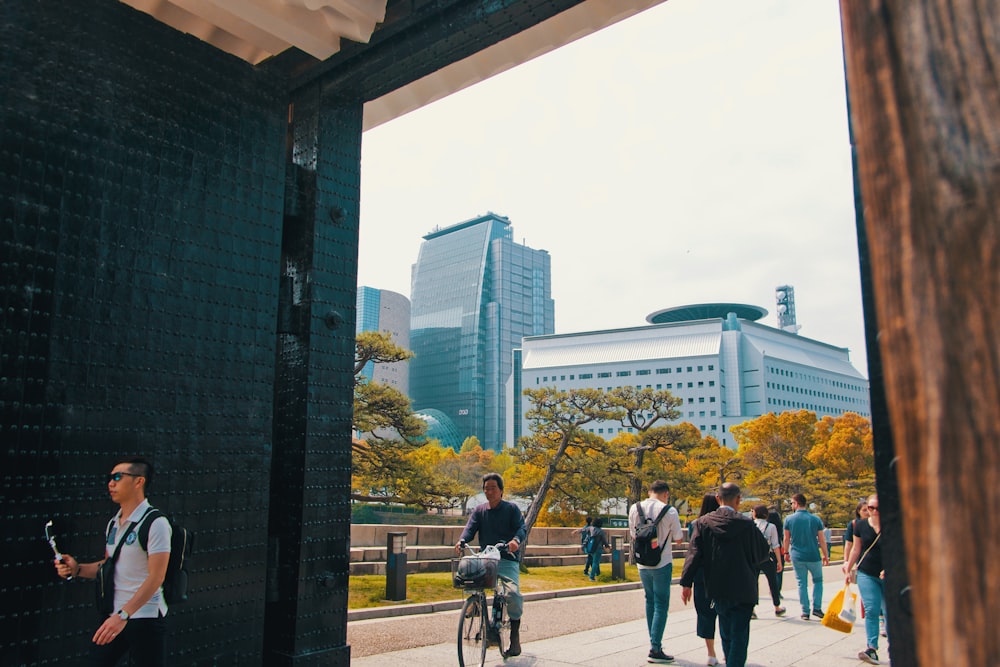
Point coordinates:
[(771, 573), (145, 639), (734, 630)]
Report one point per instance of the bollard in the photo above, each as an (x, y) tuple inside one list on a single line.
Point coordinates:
[(617, 561), (395, 566)]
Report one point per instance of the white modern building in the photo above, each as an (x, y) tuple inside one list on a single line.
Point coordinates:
[(724, 365)]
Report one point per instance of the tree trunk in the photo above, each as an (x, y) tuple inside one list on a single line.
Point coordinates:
[(543, 490), (635, 483), (925, 112)]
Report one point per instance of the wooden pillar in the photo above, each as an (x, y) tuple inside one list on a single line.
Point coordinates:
[(925, 115)]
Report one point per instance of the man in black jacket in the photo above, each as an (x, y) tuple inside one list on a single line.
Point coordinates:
[(730, 549)]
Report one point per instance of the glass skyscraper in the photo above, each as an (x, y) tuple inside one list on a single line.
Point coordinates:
[(382, 310), (474, 294)]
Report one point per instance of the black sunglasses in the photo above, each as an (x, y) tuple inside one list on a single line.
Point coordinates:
[(117, 476), (873, 507)]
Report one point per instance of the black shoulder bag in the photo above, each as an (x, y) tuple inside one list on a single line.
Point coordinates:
[(105, 591)]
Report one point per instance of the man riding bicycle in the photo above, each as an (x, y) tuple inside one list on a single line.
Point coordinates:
[(495, 521)]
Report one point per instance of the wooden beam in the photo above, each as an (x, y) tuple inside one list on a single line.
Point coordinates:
[(925, 114)]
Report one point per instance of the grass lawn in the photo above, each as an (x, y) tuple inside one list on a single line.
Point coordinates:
[(368, 590)]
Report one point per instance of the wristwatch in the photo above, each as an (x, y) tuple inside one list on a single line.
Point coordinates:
[(122, 614)]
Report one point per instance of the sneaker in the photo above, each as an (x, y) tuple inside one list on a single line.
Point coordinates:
[(818, 614), (712, 660), (779, 611), (659, 657), (869, 655), (804, 617)]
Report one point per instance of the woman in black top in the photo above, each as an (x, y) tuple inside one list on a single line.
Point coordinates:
[(867, 553), (705, 627)]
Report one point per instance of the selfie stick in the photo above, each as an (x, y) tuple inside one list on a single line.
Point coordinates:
[(52, 543)]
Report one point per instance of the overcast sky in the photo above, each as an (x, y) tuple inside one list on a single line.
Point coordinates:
[(695, 152)]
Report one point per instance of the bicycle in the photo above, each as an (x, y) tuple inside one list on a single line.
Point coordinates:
[(481, 624)]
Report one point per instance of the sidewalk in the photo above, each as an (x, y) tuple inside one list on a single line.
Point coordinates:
[(774, 642)]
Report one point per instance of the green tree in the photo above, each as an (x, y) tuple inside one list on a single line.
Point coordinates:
[(557, 418), (388, 429), (649, 412)]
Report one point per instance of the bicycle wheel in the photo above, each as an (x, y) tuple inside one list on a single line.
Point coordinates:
[(472, 632), (501, 624)]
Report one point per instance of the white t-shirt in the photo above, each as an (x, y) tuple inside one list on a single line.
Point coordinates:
[(132, 566), (667, 531), (769, 531)]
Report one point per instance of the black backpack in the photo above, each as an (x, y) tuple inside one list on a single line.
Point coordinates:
[(175, 583), (645, 546)]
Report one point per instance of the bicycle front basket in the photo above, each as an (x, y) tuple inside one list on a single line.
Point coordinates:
[(474, 572)]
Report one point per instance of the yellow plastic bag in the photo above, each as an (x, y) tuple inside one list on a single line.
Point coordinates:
[(831, 618)]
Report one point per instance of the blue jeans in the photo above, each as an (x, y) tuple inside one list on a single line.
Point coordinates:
[(873, 597), (594, 561), (515, 601), (734, 630), (815, 569), (656, 584)]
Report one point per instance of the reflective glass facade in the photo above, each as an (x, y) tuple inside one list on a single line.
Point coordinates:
[(475, 293), (382, 310)]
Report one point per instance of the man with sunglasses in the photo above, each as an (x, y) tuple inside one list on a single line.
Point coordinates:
[(138, 624)]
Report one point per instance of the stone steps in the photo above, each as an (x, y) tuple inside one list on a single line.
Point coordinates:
[(431, 548)]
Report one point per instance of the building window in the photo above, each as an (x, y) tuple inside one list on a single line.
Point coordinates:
[(642, 372), (624, 374), (711, 383), (701, 399), (701, 368), (689, 369), (690, 400), (604, 375), (662, 371), (711, 367), (701, 384), (711, 399), (680, 370)]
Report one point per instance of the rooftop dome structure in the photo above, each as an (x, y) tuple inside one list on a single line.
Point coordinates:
[(706, 311)]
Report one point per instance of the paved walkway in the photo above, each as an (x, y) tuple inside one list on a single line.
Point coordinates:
[(774, 642)]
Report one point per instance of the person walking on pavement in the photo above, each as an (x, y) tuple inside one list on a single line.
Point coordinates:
[(867, 553), (495, 521), (584, 533), (774, 519), (773, 565), (656, 579), (806, 546), (731, 550), (598, 544), (138, 626), (705, 627)]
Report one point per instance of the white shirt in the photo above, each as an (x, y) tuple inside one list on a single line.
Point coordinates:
[(132, 567), (667, 531)]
